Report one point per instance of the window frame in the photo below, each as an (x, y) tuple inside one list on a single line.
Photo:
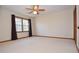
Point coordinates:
[(22, 24)]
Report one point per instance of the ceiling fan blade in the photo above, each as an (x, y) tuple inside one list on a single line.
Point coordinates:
[(28, 8), (41, 9), (30, 12)]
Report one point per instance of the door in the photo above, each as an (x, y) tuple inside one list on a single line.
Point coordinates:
[(78, 26)]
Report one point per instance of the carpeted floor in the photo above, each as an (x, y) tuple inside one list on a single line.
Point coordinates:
[(39, 45)]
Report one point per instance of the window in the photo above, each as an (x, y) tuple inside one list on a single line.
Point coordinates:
[(25, 25), (21, 24), (18, 24)]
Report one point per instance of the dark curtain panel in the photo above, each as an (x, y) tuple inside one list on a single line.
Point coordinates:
[(30, 28), (13, 28)]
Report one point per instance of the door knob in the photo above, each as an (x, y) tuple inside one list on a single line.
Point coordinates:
[(78, 27)]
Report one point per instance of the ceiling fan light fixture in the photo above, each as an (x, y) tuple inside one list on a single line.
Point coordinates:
[(34, 12), (35, 9)]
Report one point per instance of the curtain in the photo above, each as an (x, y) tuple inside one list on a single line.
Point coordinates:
[(13, 28), (30, 28)]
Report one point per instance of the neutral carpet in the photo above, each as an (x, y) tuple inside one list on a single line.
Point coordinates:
[(39, 45)]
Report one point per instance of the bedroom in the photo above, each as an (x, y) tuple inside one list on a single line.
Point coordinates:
[(52, 30)]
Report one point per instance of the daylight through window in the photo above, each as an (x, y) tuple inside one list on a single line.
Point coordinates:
[(21, 24)]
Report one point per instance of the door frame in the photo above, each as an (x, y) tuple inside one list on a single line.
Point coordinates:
[(75, 26), (75, 23)]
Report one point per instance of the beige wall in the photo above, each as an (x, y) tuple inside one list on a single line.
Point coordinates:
[(57, 24), (77, 26), (5, 23), (33, 26)]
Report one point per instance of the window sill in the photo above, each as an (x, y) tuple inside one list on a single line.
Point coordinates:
[(22, 31)]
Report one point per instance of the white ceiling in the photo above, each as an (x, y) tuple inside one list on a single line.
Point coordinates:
[(48, 8)]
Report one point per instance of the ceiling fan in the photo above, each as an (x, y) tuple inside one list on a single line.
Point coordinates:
[(35, 9)]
